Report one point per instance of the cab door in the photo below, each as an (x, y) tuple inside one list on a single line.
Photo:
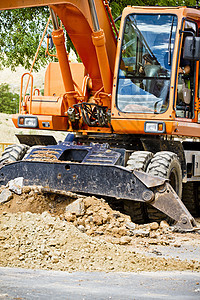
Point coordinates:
[(186, 71)]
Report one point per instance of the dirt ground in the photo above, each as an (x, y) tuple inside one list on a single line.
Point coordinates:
[(76, 233)]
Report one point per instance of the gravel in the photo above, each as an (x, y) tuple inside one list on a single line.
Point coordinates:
[(45, 231)]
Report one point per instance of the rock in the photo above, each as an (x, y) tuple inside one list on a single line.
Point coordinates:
[(120, 219), (69, 217), (122, 231), (154, 226), (81, 222), (55, 259), (176, 245), (21, 257), (90, 231), (77, 207), (115, 241), (153, 242), (26, 189), (45, 215), (98, 220), (104, 216), (96, 208), (157, 252), (90, 219), (81, 228), (124, 240), (38, 189), (87, 227), (16, 185), (164, 224), (5, 196), (89, 201), (153, 235), (116, 215), (89, 211), (115, 231), (99, 232), (128, 219), (141, 233), (130, 225)]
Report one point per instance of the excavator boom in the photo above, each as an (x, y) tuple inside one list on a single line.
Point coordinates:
[(78, 21)]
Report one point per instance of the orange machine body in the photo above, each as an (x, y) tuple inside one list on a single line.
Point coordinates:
[(100, 55)]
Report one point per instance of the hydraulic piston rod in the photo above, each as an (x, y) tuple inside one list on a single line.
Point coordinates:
[(59, 41), (99, 41)]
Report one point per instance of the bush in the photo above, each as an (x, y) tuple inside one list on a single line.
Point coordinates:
[(9, 102)]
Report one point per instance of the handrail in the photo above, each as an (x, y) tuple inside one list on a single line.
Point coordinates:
[(111, 17), (24, 103)]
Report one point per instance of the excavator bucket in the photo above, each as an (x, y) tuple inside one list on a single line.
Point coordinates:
[(94, 170)]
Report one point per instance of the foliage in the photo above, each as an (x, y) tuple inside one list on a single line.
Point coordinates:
[(20, 34), (118, 5), (9, 102)]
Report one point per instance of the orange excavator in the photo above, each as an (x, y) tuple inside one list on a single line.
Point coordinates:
[(131, 109)]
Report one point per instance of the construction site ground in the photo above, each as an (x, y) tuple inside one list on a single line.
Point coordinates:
[(18, 283), (72, 233)]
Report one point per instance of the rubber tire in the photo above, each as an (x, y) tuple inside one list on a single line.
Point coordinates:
[(13, 153), (138, 160), (166, 164), (162, 164), (191, 197)]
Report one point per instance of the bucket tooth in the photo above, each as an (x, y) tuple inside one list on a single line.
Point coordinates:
[(167, 201)]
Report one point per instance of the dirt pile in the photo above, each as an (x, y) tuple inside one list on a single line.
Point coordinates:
[(88, 214), (43, 241), (76, 233)]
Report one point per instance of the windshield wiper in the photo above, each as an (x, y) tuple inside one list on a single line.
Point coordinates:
[(170, 44), (144, 42)]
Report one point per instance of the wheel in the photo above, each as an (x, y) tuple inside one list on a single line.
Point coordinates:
[(166, 164), (13, 153), (191, 197), (138, 160)]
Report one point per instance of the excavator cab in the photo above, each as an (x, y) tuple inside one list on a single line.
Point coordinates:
[(186, 73), (145, 66), (153, 93)]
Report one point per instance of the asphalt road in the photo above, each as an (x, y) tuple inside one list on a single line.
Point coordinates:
[(23, 284)]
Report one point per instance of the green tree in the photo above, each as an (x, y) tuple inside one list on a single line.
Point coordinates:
[(21, 31), (118, 5), (20, 34), (9, 101)]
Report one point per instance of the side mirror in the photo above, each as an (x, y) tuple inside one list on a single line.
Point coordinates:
[(191, 50)]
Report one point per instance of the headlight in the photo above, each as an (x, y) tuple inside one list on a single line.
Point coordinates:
[(154, 127), (31, 122)]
